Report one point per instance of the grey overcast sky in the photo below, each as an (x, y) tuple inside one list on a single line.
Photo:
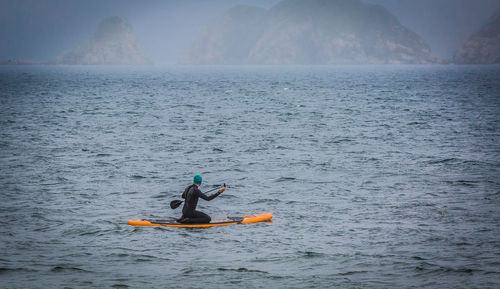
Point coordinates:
[(41, 29)]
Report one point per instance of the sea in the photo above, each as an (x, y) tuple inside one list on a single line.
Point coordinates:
[(381, 176)]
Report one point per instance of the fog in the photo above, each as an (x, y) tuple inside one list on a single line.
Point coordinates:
[(40, 30), (443, 24)]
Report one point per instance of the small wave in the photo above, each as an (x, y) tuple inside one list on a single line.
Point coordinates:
[(137, 177), (103, 155), (425, 266), (442, 161), (239, 170), (7, 270), (185, 105), (63, 268), (460, 270), (434, 268), (281, 147), (120, 255), (161, 195), (312, 254), (242, 269), (352, 273), (95, 232), (416, 123), (263, 201), (338, 141), (119, 286), (142, 260), (148, 258), (466, 183), (284, 179)]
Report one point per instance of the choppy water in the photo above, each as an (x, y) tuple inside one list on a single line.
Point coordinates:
[(377, 176)]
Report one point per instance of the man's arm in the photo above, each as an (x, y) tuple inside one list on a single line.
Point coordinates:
[(209, 198)]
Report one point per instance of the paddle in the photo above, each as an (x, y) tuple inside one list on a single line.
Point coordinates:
[(176, 203)]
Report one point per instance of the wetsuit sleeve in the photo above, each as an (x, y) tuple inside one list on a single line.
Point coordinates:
[(205, 197)]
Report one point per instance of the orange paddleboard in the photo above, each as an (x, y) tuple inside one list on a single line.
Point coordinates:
[(263, 217)]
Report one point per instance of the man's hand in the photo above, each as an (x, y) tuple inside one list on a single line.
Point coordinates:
[(222, 189)]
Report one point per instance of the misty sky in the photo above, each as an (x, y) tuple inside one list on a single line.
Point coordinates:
[(41, 29)]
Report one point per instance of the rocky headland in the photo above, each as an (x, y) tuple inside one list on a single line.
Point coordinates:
[(482, 47), (113, 43), (308, 32)]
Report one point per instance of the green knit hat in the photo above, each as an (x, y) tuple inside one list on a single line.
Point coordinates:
[(197, 180)]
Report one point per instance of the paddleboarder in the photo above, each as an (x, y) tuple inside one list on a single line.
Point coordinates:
[(191, 195)]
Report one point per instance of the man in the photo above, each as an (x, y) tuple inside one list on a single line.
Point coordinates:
[(191, 195)]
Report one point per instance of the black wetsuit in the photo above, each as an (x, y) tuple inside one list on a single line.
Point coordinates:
[(189, 213)]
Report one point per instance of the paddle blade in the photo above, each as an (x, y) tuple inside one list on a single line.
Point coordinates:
[(175, 204)]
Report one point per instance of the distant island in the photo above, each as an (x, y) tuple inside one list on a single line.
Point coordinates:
[(308, 32), (482, 47), (18, 62), (113, 43)]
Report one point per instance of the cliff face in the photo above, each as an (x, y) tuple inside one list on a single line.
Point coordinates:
[(229, 38), (112, 43), (482, 47), (308, 32)]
